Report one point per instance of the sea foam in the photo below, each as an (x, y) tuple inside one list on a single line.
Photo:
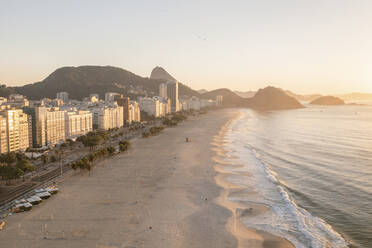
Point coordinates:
[(286, 218)]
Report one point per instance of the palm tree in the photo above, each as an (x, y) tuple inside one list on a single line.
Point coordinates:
[(44, 159)]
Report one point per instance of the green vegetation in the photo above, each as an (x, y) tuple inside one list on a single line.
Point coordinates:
[(8, 158), (111, 150), (156, 130), (169, 122), (174, 119), (87, 162), (146, 117), (81, 81), (44, 158), (24, 165), (14, 165), (153, 131), (146, 134), (8, 172), (93, 139), (124, 145), (53, 159)]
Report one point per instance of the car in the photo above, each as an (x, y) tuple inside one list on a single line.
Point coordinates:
[(43, 195), (27, 206), (52, 190), (21, 201), (34, 200), (22, 207)]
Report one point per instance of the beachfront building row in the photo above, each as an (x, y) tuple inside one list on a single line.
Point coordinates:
[(131, 110), (52, 126), (40, 126), (156, 106), (52, 121), (194, 103)]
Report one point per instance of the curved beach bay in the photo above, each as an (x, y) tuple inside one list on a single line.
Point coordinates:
[(163, 193)]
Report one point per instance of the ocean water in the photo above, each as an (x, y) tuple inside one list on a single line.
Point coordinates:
[(312, 168)]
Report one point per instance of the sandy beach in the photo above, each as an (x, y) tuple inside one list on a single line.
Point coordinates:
[(163, 193)]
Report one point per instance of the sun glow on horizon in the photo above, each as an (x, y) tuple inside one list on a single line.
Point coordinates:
[(303, 46)]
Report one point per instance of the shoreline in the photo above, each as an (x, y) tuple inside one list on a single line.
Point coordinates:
[(247, 237), (162, 193)]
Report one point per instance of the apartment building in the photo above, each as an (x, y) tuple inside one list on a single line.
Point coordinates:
[(107, 117), (172, 93), (78, 123), (16, 126), (150, 105), (137, 111), (3, 135), (54, 126), (123, 102)]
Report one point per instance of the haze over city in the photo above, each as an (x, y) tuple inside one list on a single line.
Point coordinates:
[(305, 46), (188, 124)]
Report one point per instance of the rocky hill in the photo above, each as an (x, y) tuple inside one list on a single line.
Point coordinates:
[(328, 100), (159, 73), (230, 99), (81, 81), (271, 98), (202, 91)]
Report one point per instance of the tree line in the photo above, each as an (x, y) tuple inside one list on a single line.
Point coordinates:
[(13, 165)]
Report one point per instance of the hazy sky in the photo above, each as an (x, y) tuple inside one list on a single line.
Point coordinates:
[(306, 46)]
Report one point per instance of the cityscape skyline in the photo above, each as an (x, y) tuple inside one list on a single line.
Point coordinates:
[(26, 124), (306, 47)]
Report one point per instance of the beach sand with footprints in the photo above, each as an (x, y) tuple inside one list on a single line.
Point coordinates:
[(164, 192)]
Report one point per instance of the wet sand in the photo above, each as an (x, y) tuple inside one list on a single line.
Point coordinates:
[(163, 193), (247, 237)]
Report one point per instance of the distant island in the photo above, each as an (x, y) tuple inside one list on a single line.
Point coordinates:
[(328, 100)]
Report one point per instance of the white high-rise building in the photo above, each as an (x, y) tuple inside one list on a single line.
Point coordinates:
[(150, 105), (137, 111), (107, 117), (55, 126), (131, 113), (78, 123), (3, 135), (164, 105), (17, 130), (172, 93), (49, 126)]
